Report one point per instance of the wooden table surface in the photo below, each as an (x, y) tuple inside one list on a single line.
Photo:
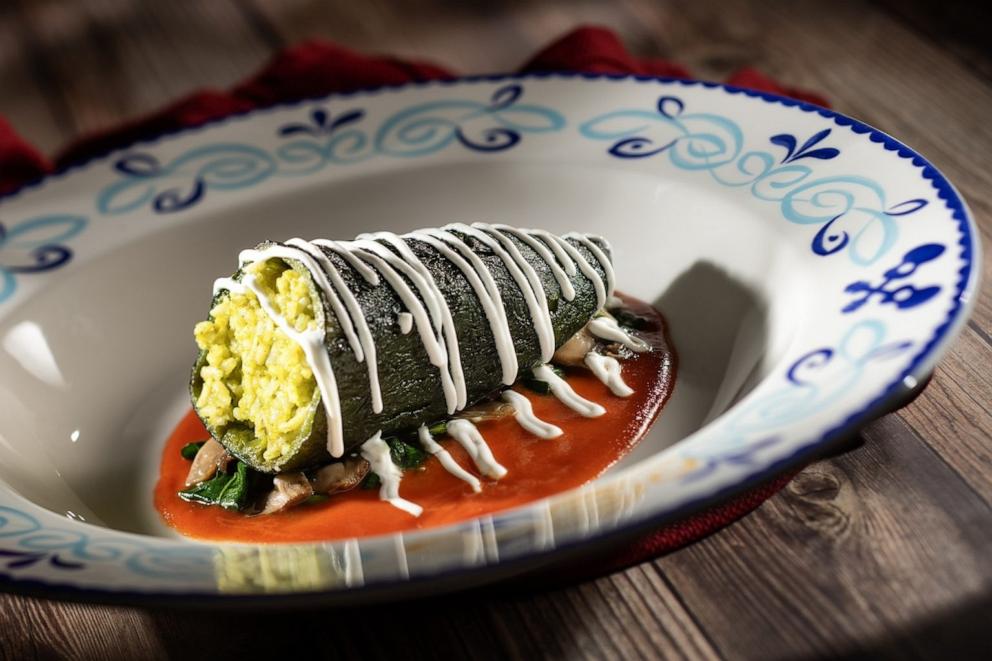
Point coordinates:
[(884, 550)]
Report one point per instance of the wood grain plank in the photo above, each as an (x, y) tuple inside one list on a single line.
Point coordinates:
[(48, 630), (959, 26), (955, 412), (852, 555), (616, 617), (472, 37), (114, 59), (27, 98)]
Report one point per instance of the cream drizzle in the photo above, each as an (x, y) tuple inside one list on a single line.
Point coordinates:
[(524, 414), (353, 316), (564, 283), (431, 293), (537, 303), (447, 461), (587, 270), (482, 283), (600, 257), (565, 394), (376, 452), (312, 343), (607, 370), (423, 319), (469, 437), (553, 242), (608, 329), (387, 256)]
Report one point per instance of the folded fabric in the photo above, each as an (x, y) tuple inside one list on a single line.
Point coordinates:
[(318, 68)]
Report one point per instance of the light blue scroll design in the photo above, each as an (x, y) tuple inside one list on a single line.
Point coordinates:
[(35, 245), (323, 138), (26, 543), (814, 382), (852, 213)]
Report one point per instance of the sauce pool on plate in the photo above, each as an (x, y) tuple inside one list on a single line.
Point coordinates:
[(536, 467)]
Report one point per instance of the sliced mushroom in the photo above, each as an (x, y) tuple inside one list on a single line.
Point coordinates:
[(618, 351), (210, 457), (340, 476), (486, 411), (289, 490), (573, 352)]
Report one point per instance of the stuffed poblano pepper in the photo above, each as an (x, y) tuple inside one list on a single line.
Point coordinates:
[(312, 348)]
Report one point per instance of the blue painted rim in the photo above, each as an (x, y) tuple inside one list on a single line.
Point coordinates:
[(966, 290)]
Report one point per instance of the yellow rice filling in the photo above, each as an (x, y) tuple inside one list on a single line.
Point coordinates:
[(254, 373)]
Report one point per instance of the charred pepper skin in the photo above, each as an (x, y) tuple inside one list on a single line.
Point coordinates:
[(411, 386)]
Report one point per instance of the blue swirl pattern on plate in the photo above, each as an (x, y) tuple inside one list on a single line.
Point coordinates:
[(904, 296), (853, 211), (495, 125), (71, 550), (34, 246), (810, 384)]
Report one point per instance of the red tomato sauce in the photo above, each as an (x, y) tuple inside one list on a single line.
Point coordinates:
[(536, 467)]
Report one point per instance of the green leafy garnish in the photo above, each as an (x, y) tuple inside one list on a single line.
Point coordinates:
[(190, 449), (632, 320), (229, 490), (540, 387), (438, 428), (405, 455)]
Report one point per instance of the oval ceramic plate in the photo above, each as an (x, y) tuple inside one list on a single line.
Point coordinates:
[(812, 269)]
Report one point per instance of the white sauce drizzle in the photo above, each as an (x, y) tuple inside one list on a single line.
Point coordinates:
[(469, 437), (230, 284), (540, 317), (376, 452), (524, 275), (365, 350), (567, 290), (447, 322), (447, 461), (389, 256), (607, 370), (524, 414), (587, 270), (554, 243), (608, 329), (600, 256), (565, 394), (482, 283), (312, 343), (547, 329), (433, 343)]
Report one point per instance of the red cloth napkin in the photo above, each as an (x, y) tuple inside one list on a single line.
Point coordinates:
[(317, 68)]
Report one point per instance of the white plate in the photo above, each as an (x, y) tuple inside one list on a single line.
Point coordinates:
[(811, 268)]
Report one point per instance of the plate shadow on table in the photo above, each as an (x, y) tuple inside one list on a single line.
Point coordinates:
[(482, 623)]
